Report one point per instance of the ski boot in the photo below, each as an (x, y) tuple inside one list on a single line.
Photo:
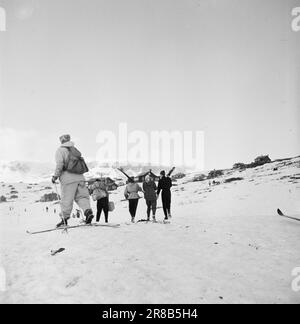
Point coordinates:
[(88, 216), (132, 220), (63, 223)]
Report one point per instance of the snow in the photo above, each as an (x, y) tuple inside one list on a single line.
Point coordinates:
[(225, 244)]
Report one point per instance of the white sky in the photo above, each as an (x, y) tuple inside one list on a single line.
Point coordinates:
[(228, 67)]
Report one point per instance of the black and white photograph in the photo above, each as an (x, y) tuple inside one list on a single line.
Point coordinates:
[(149, 154)]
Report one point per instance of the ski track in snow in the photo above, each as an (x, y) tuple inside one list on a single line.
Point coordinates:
[(225, 244)]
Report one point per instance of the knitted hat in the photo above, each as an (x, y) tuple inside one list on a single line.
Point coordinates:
[(65, 138)]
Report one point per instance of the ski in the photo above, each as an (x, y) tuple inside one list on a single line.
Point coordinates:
[(170, 172), (125, 174), (71, 227), (54, 252), (144, 221), (280, 213)]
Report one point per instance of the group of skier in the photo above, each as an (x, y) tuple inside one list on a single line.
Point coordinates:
[(70, 167), (151, 194)]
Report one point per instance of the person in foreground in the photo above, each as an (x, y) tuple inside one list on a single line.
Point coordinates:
[(70, 168)]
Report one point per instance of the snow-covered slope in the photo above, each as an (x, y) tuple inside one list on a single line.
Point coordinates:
[(225, 244), (16, 171)]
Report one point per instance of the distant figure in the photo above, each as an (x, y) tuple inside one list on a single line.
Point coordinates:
[(131, 194), (70, 167), (164, 186), (99, 191), (47, 209), (54, 211), (77, 213), (150, 195)]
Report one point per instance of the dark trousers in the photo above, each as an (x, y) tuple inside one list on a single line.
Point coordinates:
[(133, 204), (151, 205), (102, 204), (166, 202)]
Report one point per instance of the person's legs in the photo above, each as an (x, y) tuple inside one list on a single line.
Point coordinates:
[(131, 207), (106, 208), (99, 209), (68, 194), (154, 207), (164, 203), (168, 204), (133, 203), (82, 199), (135, 206), (148, 202)]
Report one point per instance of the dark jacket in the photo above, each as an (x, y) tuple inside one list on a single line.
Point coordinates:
[(150, 190), (164, 185)]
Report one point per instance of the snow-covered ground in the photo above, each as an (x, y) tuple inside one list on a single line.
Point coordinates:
[(225, 244)]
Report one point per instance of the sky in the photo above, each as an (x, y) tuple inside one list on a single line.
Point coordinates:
[(229, 68)]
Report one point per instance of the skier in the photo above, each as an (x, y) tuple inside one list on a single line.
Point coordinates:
[(99, 190), (70, 168), (47, 209), (164, 186), (150, 195), (131, 194)]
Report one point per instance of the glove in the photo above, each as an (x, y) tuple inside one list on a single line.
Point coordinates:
[(54, 178)]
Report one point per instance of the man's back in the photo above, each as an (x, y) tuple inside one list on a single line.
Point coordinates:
[(61, 158)]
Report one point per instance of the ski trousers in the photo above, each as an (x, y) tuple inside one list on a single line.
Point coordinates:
[(76, 191), (133, 204), (102, 205), (166, 202)]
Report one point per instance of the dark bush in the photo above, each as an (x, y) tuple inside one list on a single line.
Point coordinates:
[(14, 197), (263, 159), (3, 199), (240, 166), (233, 179), (179, 175), (200, 177), (215, 174), (50, 197)]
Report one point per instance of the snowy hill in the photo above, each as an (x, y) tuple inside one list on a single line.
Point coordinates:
[(225, 244), (28, 172), (16, 171)]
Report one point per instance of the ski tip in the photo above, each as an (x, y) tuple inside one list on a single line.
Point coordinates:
[(54, 252), (279, 212)]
